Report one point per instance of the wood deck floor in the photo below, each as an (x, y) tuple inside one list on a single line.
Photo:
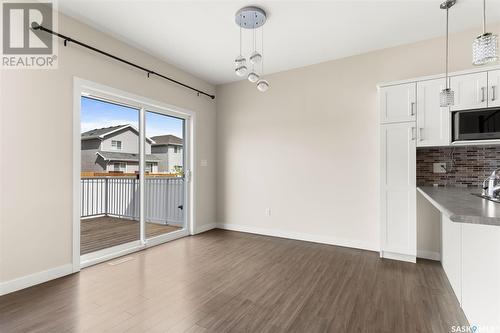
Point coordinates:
[(103, 232), (223, 281)]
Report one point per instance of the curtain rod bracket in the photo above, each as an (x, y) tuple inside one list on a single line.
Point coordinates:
[(36, 26)]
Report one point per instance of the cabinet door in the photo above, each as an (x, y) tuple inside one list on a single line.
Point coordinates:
[(470, 91), (433, 121), (398, 190), (494, 88), (397, 103), (451, 257), (481, 274)]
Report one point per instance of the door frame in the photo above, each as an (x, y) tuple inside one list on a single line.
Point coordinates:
[(83, 87)]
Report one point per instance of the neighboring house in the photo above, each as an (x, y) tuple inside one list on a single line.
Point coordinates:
[(169, 149), (115, 149)]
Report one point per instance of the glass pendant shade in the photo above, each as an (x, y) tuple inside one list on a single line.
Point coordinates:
[(446, 97), (241, 70), (241, 67), (253, 77), (255, 58), (485, 49), (262, 85)]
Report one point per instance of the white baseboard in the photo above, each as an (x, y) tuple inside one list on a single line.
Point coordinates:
[(299, 236), (204, 228), (398, 256), (429, 255), (34, 279)]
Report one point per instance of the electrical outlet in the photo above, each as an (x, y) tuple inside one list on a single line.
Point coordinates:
[(268, 211), (439, 167)]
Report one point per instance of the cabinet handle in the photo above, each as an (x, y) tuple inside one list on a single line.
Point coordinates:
[(420, 137), (413, 134), (493, 88), (412, 108), (482, 94)]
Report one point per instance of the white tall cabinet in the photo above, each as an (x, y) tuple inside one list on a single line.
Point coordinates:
[(398, 172), (397, 103)]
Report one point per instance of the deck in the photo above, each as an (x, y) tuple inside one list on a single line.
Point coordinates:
[(103, 232)]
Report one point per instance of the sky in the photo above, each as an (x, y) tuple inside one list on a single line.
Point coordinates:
[(99, 114)]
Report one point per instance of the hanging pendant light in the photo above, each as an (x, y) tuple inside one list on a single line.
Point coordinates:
[(240, 61), (447, 96), (252, 18), (485, 46), (262, 84), (253, 76)]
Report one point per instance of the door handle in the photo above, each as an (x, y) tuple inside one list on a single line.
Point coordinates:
[(413, 133), (483, 98), (493, 88), (412, 105)]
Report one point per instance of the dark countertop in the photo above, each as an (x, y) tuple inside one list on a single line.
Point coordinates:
[(459, 205)]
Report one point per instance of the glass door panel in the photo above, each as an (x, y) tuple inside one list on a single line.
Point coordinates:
[(164, 182), (109, 186)]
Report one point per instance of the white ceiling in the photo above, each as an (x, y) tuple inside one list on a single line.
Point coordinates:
[(202, 38)]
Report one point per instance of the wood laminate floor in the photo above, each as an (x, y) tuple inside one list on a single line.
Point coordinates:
[(102, 232), (223, 281)]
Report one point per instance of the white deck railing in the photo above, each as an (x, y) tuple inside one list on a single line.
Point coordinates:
[(119, 196)]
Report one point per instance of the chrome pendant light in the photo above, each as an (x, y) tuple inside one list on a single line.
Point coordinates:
[(485, 46), (262, 84), (240, 61), (252, 18), (447, 96), (253, 76)]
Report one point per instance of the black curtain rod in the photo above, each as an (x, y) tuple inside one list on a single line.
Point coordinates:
[(148, 71)]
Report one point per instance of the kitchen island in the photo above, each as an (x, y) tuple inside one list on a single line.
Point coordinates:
[(470, 251)]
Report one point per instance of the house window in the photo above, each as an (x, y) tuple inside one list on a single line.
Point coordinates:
[(176, 149), (117, 145), (149, 167), (119, 167)]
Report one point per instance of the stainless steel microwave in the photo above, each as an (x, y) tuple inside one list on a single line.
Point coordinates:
[(474, 125)]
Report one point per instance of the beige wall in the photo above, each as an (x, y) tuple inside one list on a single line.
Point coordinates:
[(36, 107), (309, 147)]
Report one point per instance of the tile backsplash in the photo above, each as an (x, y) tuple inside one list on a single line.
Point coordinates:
[(467, 165)]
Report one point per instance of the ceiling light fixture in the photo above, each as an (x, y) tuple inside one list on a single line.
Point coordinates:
[(252, 18), (447, 96), (485, 46), (253, 76)]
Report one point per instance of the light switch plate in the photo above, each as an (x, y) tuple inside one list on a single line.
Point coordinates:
[(439, 167)]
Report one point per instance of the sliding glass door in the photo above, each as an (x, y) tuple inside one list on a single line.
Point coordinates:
[(164, 182), (133, 188)]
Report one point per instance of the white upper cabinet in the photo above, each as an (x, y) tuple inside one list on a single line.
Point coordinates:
[(471, 91), (398, 191), (494, 88), (397, 103), (433, 121)]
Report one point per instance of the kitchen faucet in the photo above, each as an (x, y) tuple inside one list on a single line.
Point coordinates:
[(490, 187)]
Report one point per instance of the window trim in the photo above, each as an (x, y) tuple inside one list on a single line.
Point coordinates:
[(117, 146)]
